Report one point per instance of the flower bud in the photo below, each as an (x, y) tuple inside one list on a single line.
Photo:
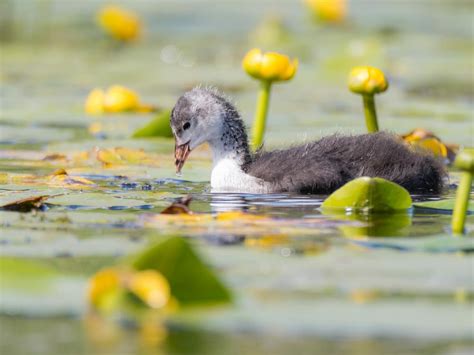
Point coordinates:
[(367, 80), (269, 66), (120, 99), (94, 104), (465, 161), (121, 24)]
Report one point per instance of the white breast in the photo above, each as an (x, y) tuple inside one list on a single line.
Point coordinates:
[(227, 176)]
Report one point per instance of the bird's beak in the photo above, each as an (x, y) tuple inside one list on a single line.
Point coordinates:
[(181, 153)]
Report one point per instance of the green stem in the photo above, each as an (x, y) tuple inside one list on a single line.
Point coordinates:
[(462, 201), (258, 129), (370, 113)]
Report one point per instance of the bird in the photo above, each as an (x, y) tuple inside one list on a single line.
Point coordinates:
[(204, 115)]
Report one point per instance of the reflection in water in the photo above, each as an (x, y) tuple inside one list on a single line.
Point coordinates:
[(377, 225)]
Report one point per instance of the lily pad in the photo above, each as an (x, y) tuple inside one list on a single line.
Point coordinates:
[(192, 282), (436, 244), (367, 194), (24, 274), (158, 127), (445, 206)]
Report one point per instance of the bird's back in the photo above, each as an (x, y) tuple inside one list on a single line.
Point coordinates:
[(323, 166)]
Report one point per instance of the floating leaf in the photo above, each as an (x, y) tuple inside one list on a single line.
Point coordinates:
[(367, 194), (54, 156), (445, 206), (60, 178), (23, 274), (437, 244), (28, 204), (192, 282), (158, 127), (179, 207), (237, 223), (123, 156)]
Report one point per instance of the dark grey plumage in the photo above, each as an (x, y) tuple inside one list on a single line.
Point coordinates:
[(323, 166), (318, 167)]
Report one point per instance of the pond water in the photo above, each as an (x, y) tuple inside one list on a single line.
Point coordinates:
[(304, 282)]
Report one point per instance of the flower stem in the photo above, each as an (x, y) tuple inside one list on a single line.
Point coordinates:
[(370, 113), (462, 201), (258, 129)]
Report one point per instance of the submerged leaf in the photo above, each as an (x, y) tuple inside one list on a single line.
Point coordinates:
[(28, 204), (158, 127), (192, 282), (367, 194)]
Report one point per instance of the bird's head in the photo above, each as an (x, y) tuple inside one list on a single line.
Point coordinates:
[(196, 118)]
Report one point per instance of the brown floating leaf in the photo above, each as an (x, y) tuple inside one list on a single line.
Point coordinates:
[(179, 207), (54, 156), (26, 204)]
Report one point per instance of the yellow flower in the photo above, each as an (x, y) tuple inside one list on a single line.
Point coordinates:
[(328, 10), (269, 66), (151, 287), (465, 160), (116, 99), (120, 99), (103, 284), (367, 80), (121, 24), (95, 102), (422, 138), (148, 285)]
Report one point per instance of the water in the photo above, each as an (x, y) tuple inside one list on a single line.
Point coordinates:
[(305, 282)]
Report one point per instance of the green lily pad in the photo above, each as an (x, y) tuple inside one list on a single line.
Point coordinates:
[(367, 194), (25, 275), (435, 244), (192, 282), (443, 205), (158, 127)]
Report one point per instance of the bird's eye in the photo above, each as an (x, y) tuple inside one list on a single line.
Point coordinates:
[(186, 125)]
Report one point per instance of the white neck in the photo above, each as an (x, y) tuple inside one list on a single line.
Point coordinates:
[(228, 175)]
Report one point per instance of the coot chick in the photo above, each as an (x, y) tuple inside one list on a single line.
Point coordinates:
[(320, 167)]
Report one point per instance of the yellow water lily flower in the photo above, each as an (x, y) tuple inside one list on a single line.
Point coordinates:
[(121, 24), (94, 104), (119, 99), (367, 80), (328, 10), (115, 99), (151, 287), (270, 66), (148, 285), (103, 284), (422, 138)]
